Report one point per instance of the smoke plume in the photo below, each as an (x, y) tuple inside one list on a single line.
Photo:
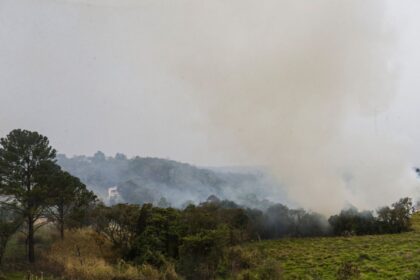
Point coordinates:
[(312, 89), (299, 85)]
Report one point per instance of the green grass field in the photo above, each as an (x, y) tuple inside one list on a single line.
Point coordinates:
[(376, 257)]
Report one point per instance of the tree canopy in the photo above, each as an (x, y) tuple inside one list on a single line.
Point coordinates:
[(33, 186), (24, 157)]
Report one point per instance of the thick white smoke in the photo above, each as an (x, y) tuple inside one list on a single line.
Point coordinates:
[(298, 85), (308, 88)]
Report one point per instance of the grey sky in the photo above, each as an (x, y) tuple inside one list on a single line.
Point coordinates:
[(93, 76), (104, 75)]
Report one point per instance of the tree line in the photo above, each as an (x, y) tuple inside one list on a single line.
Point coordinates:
[(196, 238), (394, 219), (35, 191)]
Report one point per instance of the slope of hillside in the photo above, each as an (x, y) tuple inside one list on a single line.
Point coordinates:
[(141, 180), (394, 256)]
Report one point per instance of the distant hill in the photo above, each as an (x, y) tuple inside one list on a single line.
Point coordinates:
[(144, 179)]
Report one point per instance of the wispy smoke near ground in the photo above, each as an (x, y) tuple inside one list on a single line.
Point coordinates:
[(298, 87)]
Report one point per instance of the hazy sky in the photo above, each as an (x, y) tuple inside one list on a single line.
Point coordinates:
[(325, 93), (104, 74)]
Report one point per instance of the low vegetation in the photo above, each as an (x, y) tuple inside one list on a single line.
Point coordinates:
[(208, 242), (52, 226), (388, 256)]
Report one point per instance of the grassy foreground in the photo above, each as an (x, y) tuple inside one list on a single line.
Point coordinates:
[(394, 256)]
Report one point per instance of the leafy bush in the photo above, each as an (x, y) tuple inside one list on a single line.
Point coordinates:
[(280, 221), (201, 253), (352, 222), (394, 219), (416, 275), (397, 218), (270, 269), (84, 254), (347, 271)]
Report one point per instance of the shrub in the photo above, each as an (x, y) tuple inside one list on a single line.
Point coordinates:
[(249, 264), (348, 270), (270, 269), (238, 259), (416, 275), (86, 255), (201, 254)]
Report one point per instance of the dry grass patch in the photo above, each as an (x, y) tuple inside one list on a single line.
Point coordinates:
[(86, 255)]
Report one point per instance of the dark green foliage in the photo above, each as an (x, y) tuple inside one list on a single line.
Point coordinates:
[(201, 253), (394, 219), (157, 236), (280, 221), (119, 224), (24, 157), (194, 238), (210, 216), (34, 187), (256, 223), (199, 238), (69, 203), (353, 222), (200, 235), (207, 230), (9, 224), (397, 218)]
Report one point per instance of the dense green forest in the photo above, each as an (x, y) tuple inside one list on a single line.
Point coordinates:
[(66, 231)]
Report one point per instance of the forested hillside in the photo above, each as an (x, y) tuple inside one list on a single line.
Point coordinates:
[(167, 182)]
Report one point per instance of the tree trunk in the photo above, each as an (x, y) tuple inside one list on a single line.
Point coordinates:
[(61, 221), (62, 230), (31, 241), (2, 248)]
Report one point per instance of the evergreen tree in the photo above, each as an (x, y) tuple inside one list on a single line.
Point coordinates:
[(23, 164), (69, 201)]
